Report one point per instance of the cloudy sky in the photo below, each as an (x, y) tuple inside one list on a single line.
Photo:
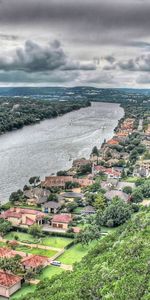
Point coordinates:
[(103, 43)]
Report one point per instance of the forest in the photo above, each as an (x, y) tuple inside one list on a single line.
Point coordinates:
[(116, 268), (16, 112)]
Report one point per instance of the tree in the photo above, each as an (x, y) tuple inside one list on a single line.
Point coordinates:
[(137, 196), (12, 264), (5, 226), (88, 234), (53, 197), (127, 189), (85, 169), (34, 180), (70, 185), (100, 202), (117, 213), (35, 230), (62, 173), (16, 196), (95, 151)]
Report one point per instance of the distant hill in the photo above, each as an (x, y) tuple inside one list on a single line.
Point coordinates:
[(52, 92), (116, 269)]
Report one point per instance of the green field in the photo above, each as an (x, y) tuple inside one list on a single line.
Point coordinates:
[(26, 288), (52, 241), (75, 253), (49, 272), (22, 237), (43, 252)]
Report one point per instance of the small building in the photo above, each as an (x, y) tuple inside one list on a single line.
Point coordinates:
[(88, 210), (51, 207), (34, 261), (61, 221), (115, 193), (9, 284)]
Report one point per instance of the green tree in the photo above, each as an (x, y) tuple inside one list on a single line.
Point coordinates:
[(137, 196), (127, 189), (35, 230), (95, 151), (99, 202), (34, 180), (117, 213), (5, 226)]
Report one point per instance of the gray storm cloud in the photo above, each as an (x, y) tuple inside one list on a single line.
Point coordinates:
[(33, 57)]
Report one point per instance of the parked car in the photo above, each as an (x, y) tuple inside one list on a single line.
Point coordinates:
[(56, 263)]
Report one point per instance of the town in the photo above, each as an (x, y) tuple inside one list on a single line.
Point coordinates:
[(52, 223)]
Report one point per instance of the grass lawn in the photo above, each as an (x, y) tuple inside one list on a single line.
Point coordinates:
[(49, 272), (57, 242), (131, 179), (22, 236), (75, 253), (26, 288), (107, 229), (43, 252)]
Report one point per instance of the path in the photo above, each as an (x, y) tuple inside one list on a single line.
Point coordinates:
[(35, 245)]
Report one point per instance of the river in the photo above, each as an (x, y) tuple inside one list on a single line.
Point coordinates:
[(51, 145)]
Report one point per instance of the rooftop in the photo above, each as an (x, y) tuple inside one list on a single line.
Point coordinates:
[(34, 261), (8, 280), (62, 218)]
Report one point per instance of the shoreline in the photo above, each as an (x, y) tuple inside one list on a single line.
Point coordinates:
[(85, 141)]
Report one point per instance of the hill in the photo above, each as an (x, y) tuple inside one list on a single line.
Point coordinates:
[(117, 268)]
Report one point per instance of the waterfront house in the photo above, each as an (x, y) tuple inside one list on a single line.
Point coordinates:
[(23, 217), (61, 221), (9, 284), (56, 181)]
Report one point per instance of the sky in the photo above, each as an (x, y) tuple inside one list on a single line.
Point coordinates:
[(101, 43)]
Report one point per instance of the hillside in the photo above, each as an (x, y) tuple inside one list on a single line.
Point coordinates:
[(116, 269)]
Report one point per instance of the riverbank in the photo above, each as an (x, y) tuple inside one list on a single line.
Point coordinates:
[(17, 112), (47, 147)]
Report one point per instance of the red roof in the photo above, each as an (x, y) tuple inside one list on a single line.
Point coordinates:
[(34, 261), (7, 279), (29, 222), (62, 218)]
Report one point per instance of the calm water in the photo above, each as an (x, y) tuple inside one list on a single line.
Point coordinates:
[(47, 147)]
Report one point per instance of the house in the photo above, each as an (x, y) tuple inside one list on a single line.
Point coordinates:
[(115, 193), (9, 284), (56, 181), (23, 217), (61, 221), (34, 261), (122, 184), (60, 181), (80, 162), (36, 195), (51, 207), (142, 168), (88, 210)]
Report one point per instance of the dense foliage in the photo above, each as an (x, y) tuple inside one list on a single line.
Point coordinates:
[(17, 112), (116, 268)]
